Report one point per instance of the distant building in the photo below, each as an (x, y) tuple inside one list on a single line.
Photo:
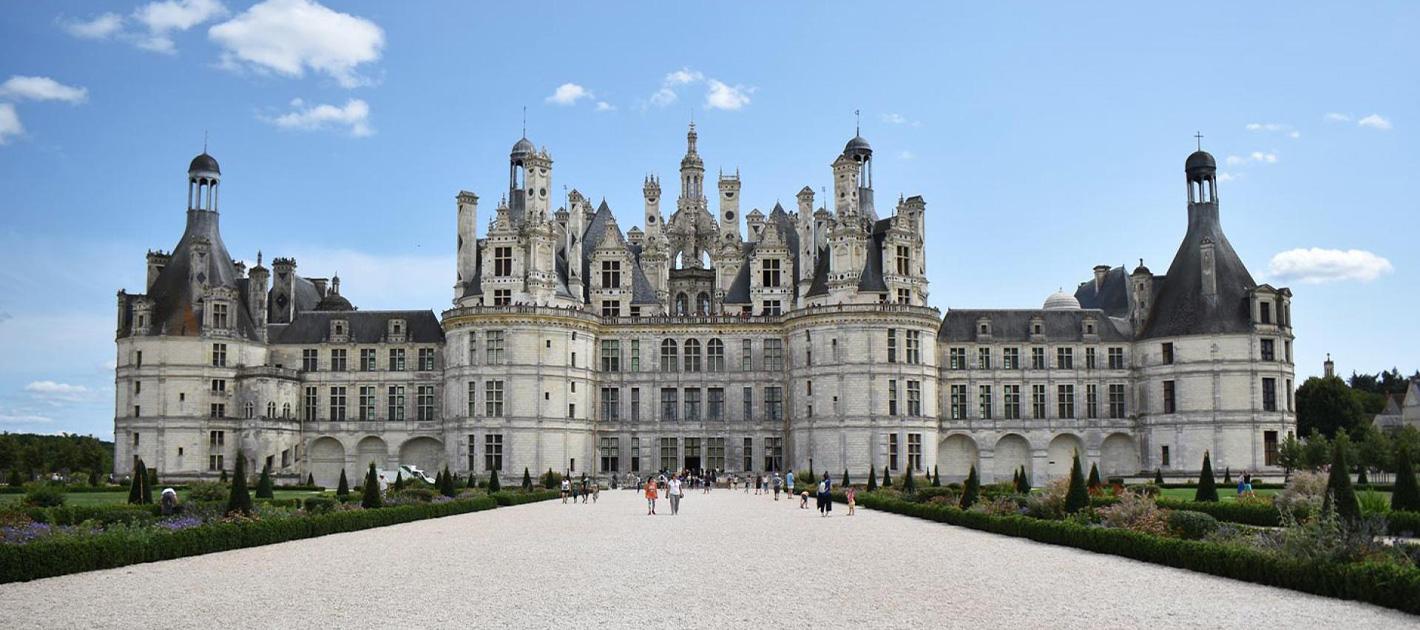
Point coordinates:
[(1401, 410), (805, 340)]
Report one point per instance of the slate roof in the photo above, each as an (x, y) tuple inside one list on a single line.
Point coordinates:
[(171, 293), (1112, 296), (1180, 308), (1014, 325), (365, 327), (641, 290)]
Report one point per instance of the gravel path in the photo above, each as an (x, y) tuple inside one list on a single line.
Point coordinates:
[(730, 560)]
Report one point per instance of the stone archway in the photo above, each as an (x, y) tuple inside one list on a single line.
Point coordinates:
[(1119, 456), (956, 455), (424, 452), (371, 449), (1012, 451), (327, 457), (1062, 453)]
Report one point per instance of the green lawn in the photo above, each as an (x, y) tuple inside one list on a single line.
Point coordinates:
[(1225, 494), (103, 498)]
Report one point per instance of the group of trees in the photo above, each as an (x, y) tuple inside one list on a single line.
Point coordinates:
[(33, 455), (1328, 404), (1367, 449)]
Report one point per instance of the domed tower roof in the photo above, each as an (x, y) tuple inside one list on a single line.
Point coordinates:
[(1060, 301), (858, 147), (334, 302), (1200, 160), (204, 163), (522, 148)]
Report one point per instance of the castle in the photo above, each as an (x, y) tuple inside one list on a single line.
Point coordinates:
[(805, 341)]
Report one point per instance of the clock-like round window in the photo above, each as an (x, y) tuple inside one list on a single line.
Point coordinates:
[(729, 216)]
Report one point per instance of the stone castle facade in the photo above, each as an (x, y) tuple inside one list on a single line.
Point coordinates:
[(805, 340)]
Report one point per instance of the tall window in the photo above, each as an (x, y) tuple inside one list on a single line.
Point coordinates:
[(635, 355), (502, 261), (1116, 400), (692, 355), (219, 315), (1065, 401), (1116, 358), (635, 454), (1065, 358), (338, 360), (769, 272), (1269, 351), (1168, 352), (774, 453), (670, 455), (396, 363), (892, 451), (715, 453), (1037, 358), (493, 451), (310, 405), (395, 400), (984, 398), (715, 355), (1011, 398), (611, 355), (773, 354), (310, 360), (749, 453), (1169, 402), (692, 404), (493, 399), (1269, 448), (904, 260), (958, 401), (892, 397), (494, 347), (1269, 394), (472, 398), (367, 402), (1037, 401), (746, 356), (774, 403), (914, 451), (914, 398), (983, 358), (1011, 358), (610, 454), (611, 274), (219, 355), (337, 404), (748, 397), (1092, 401), (635, 404), (956, 358), (425, 402), (715, 404), (914, 347), (426, 359), (668, 355), (669, 404), (892, 345), (1089, 358)]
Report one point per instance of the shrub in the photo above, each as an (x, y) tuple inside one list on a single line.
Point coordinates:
[(43, 494), (16, 480), (872, 481), (936, 477), (319, 505), (370, 497), (342, 490), (1094, 482), (999, 506), (135, 488), (493, 485), (447, 487), (263, 485), (1135, 512), (223, 478), (527, 480), (1159, 477), (1207, 488), (1077, 497), (887, 479), (1361, 476), (152, 483), (1049, 503), (843, 481), (1024, 487), (1372, 502), (311, 479), (1406, 495), (1405, 524), (1228, 476), (909, 484), (1329, 537), (406, 496), (1303, 495), (239, 502), (551, 480), (1339, 493), (1191, 525), (94, 478), (971, 491), (398, 480), (206, 491)]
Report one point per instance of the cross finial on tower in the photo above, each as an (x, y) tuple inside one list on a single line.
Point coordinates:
[(857, 122), (1198, 135)]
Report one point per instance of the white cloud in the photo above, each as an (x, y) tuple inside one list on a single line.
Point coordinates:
[(51, 390), (603, 106), (1335, 117), (1225, 176), (729, 97), (1266, 157), (1316, 265), (9, 123), (1256, 157), (354, 115), (290, 36), (101, 27), (1374, 121), (894, 119), (907, 155), (41, 89), (1234, 160), (568, 94), (162, 18), (667, 92), (683, 77), (1282, 128), (1294, 134)]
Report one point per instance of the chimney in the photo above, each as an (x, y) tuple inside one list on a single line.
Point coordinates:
[(157, 261), (1100, 272), (320, 286)]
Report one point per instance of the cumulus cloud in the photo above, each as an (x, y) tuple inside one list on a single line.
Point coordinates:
[(9, 123), (899, 119), (1374, 121), (1282, 128), (53, 391), (718, 94), (162, 18), (289, 37), (23, 88), (603, 106), (1336, 117), (667, 92), (907, 155), (1224, 176), (1256, 157), (568, 94), (354, 116), (1317, 265), (724, 96), (100, 27)]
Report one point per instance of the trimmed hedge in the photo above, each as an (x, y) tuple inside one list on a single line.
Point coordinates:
[(1261, 515), (1381, 584), (507, 498), (48, 558), (1403, 523)]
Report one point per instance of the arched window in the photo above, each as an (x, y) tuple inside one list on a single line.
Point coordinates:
[(249, 410), (286, 410), (668, 356), (702, 304), (715, 355), (692, 355), (682, 304), (271, 409)]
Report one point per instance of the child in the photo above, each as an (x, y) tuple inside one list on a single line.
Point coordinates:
[(852, 499), (804, 500)]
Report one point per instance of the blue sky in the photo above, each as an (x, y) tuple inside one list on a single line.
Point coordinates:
[(1046, 139)]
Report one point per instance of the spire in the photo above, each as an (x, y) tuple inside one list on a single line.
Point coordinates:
[(1198, 135), (690, 139), (525, 121), (857, 123)]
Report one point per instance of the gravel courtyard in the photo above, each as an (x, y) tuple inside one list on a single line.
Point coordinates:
[(730, 560)]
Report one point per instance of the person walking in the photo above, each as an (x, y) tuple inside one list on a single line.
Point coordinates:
[(852, 496), (673, 492), (777, 485), (586, 489), (825, 496), (651, 494), (597, 491), (789, 483), (566, 490)]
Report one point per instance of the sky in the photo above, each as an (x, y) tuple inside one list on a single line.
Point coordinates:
[(1045, 138)]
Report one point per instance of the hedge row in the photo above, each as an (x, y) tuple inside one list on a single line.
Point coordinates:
[(116, 548), (507, 498), (1381, 584), (1259, 514)]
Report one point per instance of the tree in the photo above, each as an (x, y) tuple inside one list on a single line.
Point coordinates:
[(1340, 495), (1094, 481), (1158, 477), (872, 481), (472, 480), (1016, 480), (887, 479), (1077, 497), (1207, 488), (446, 488), (1289, 455), (371, 498), (1316, 451), (311, 479), (16, 480), (936, 477), (1327, 405), (909, 484), (1407, 493), (140, 479), (971, 490), (549, 480), (342, 490), (1025, 481), (1373, 449), (843, 481), (1228, 476), (438, 479), (263, 485), (527, 480), (398, 480), (1361, 479), (239, 500), (94, 478), (493, 485)]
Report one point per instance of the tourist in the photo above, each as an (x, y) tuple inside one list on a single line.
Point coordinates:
[(825, 496), (789, 483), (651, 496), (747, 482), (852, 496), (566, 490), (673, 492), (586, 489), (1247, 484), (597, 490), (777, 484), (804, 500)]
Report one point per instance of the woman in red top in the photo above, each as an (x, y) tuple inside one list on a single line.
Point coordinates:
[(650, 496)]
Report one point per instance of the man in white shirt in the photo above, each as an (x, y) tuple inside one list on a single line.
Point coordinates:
[(674, 493)]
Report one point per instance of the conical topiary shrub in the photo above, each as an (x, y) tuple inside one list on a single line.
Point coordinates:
[(1361, 479), (447, 487), (872, 481), (371, 498), (1207, 488), (1016, 480), (971, 490), (527, 480), (263, 485), (311, 479), (842, 482), (343, 489), (887, 479), (1158, 477), (398, 481), (239, 500), (94, 478), (1340, 495), (936, 477), (1228, 476), (549, 480), (1025, 481), (140, 478), (1094, 482), (1077, 497), (1406, 496), (493, 485), (909, 484), (472, 480)]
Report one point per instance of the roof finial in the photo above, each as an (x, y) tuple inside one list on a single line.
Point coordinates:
[(1198, 135), (258, 258), (204, 140), (525, 121), (857, 123)]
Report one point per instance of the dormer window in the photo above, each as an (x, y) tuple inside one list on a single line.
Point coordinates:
[(770, 272), (219, 315), (395, 330), (1265, 312), (339, 330), (611, 274)]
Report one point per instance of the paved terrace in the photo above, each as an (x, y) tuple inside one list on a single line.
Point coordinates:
[(730, 560)]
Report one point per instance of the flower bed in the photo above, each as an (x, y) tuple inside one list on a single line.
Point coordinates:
[(71, 540)]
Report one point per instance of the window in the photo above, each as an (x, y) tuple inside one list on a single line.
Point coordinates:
[(611, 355), (1092, 401), (769, 272), (903, 296), (1266, 312), (1164, 455), (748, 398), (571, 410), (217, 410), (635, 355), (914, 451), (219, 386), (958, 402), (337, 404), (1168, 353), (1065, 401), (502, 297), (219, 355), (668, 355), (1169, 406), (692, 404), (692, 355), (746, 356), (424, 398), (219, 315), (692, 450), (1011, 399), (774, 403), (914, 348), (1289, 394), (669, 404), (772, 308), (1065, 358), (983, 358), (493, 347), (249, 410), (574, 359), (1037, 401), (367, 359), (1287, 345), (493, 452), (715, 452), (1116, 358), (635, 454), (216, 438), (749, 454), (904, 260), (892, 397), (1090, 358), (773, 354), (635, 404), (610, 449), (310, 405), (493, 399), (914, 397), (611, 274), (472, 398), (502, 261), (1269, 351), (774, 453), (214, 462), (611, 308), (984, 398), (892, 451), (396, 363), (892, 345), (426, 359), (715, 406), (367, 403), (715, 355), (1269, 448), (1037, 358), (138, 359), (337, 360), (1269, 394), (1011, 358), (670, 459), (1116, 400), (395, 401), (310, 360)]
